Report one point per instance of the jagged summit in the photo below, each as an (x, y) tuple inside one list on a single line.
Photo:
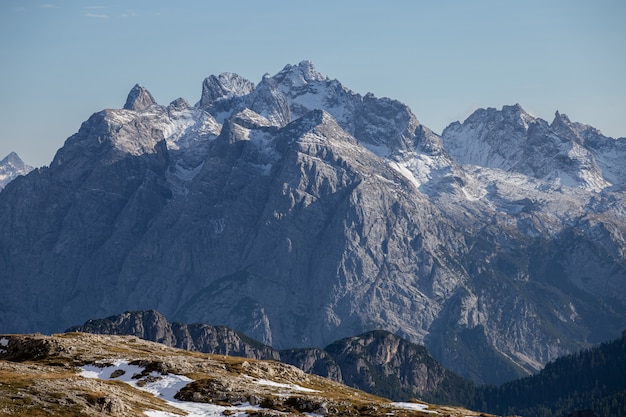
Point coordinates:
[(223, 88), (139, 99), (298, 89), (575, 130), (513, 115), (294, 76), (560, 118), (13, 159), (511, 139), (179, 104), (12, 166)]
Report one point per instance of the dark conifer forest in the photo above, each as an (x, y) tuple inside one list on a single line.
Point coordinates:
[(593, 379)]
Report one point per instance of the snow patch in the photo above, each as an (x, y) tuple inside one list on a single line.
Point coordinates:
[(291, 387), (163, 386), (406, 173), (4, 342), (188, 174), (310, 100), (414, 406)]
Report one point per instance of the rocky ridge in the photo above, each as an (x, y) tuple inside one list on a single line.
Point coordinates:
[(571, 154), (96, 375), (238, 209), (377, 362)]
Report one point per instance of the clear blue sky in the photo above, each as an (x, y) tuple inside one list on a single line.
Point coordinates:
[(61, 61)]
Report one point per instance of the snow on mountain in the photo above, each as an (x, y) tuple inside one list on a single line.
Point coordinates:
[(608, 153), (383, 125), (299, 212), (11, 167), (564, 153)]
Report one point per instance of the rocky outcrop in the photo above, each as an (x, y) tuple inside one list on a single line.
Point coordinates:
[(151, 325), (390, 366), (139, 99)]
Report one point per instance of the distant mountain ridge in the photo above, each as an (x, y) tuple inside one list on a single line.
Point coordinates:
[(571, 154), (377, 362), (300, 212), (10, 167)]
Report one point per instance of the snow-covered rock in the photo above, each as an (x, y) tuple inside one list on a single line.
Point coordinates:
[(11, 167), (565, 153)]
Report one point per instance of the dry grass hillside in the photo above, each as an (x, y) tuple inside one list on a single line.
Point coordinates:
[(79, 374)]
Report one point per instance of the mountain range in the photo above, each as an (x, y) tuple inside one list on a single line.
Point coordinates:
[(300, 212)]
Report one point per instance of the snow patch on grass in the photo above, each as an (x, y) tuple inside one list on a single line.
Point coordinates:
[(161, 386)]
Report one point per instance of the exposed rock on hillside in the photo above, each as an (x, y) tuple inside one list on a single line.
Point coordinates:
[(377, 362), (82, 374)]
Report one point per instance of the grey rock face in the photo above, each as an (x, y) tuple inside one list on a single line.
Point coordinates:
[(221, 93), (390, 366), (153, 326), (300, 212), (139, 99)]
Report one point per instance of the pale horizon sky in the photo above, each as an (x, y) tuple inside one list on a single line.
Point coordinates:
[(61, 61)]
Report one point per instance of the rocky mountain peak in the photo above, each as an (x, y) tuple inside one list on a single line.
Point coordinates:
[(268, 101), (517, 115), (560, 119), (224, 88), (139, 99), (13, 160), (512, 115), (563, 152), (11, 167), (179, 104), (299, 75), (577, 132)]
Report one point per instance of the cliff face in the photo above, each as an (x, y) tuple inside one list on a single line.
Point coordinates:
[(153, 326), (388, 365)]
